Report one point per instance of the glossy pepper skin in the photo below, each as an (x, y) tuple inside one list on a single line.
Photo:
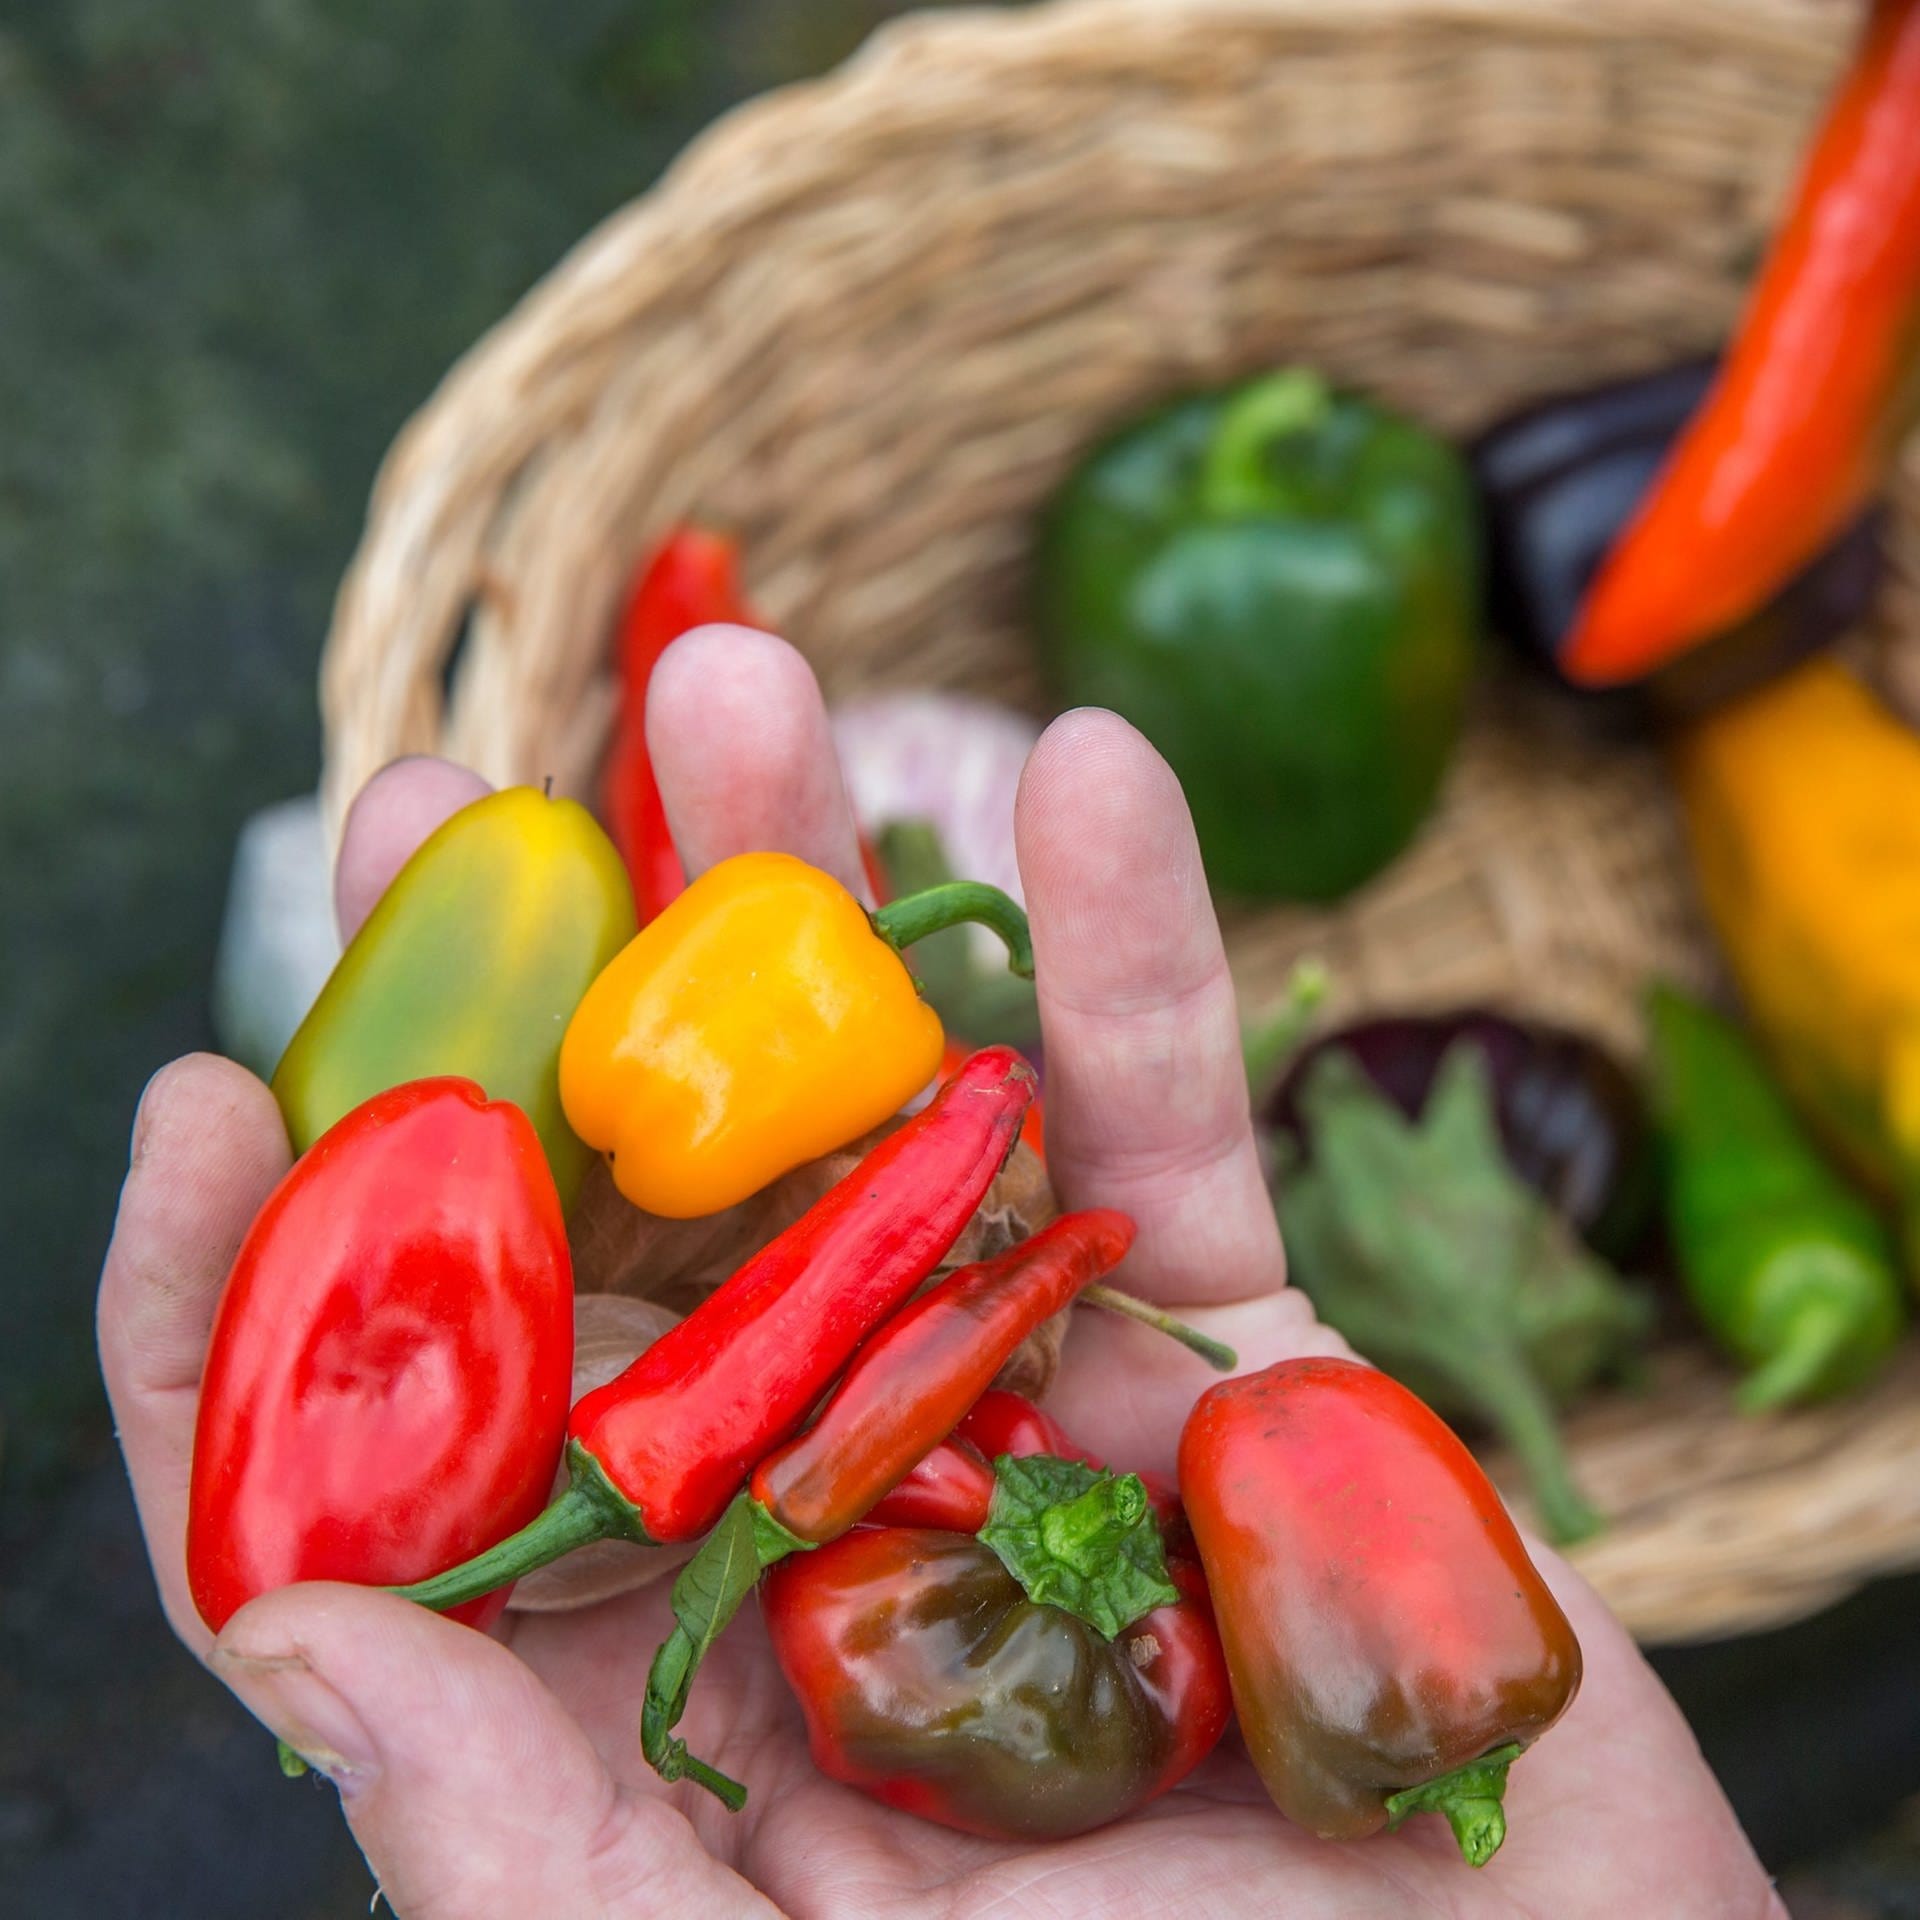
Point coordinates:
[(1813, 397), (692, 580), (764, 1019), (1279, 586), (386, 1388), (471, 964), (1790, 1270), (1383, 1625), (932, 1682), (657, 1453)]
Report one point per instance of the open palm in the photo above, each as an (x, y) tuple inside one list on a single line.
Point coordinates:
[(502, 1777)]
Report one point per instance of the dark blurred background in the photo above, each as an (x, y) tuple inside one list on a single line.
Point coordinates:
[(238, 244)]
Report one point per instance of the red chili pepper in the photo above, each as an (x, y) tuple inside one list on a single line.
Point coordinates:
[(656, 1454), (1391, 1645), (1812, 398), (958, 1674), (692, 580), (1033, 1129), (386, 1389), (906, 1390)]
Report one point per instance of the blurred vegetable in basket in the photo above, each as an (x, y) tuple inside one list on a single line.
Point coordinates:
[(1560, 480), (1417, 1242), (1790, 1270), (1572, 1123), (1279, 586), (692, 579), (1819, 384), (762, 1020), (472, 964), (1802, 804)]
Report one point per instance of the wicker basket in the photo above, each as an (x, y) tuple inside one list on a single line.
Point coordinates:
[(870, 321)]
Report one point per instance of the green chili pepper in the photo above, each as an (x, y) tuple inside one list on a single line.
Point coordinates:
[(1791, 1271), (471, 964), (1279, 585)]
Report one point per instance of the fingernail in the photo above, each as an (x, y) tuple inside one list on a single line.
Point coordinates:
[(293, 1701)]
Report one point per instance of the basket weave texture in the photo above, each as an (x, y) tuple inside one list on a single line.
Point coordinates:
[(871, 321)]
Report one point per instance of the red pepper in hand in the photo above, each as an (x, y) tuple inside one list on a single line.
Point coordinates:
[(1813, 396), (1392, 1647), (656, 1454), (692, 580), (981, 1678), (386, 1389), (907, 1389)]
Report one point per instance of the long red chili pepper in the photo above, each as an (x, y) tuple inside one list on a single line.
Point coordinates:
[(1813, 396), (656, 1454), (386, 1388), (907, 1389), (692, 580)]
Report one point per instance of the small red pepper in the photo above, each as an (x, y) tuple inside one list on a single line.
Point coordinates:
[(957, 1671), (1392, 1647), (907, 1389), (692, 581), (386, 1388), (656, 1454), (1811, 401)]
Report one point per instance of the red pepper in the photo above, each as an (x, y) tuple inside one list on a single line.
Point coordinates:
[(692, 580), (1033, 1129), (386, 1389), (1811, 400), (907, 1389), (1392, 1647), (934, 1677), (656, 1454)]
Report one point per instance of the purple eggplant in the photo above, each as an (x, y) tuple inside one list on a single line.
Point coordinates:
[(1572, 1122)]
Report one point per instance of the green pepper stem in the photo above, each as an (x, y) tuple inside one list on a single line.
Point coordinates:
[(901, 922), (291, 1763), (1084, 1532), (1266, 1044), (1470, 1798), (1216, 1353), (1525, 1419), (1814, 1338), (1237, 476), (591, 1509)]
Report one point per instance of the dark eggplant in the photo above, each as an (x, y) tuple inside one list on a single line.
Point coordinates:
[(1559, 481), (1572, 1122)]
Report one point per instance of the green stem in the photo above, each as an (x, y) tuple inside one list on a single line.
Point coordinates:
[(291, 1763), (1525, 1418), (901, 922), (1814, 1338), (1470, 1798), (1238, 476), (1083, 1533), (1216, 1353), (1266, 1045), (592, 1508)]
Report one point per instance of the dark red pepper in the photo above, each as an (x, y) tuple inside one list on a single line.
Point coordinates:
[(692, 581), (1392, 1647), (933, 1679), (907, 1389), (657, 1454), (386, 1388)]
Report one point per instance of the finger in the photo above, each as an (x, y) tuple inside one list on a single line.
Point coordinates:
[(208, 1147), (390, 816), (1147, 1106), (469, 1787), (738, 733)]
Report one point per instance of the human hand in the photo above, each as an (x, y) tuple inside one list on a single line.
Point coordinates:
[(502, 1776)]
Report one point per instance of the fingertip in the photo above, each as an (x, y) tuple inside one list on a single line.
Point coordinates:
[(397, 809)]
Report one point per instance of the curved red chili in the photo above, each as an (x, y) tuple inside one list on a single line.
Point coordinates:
[(1391, 1645), (386, 1387)]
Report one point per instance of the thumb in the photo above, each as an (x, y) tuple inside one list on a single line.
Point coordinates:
[(471, 1790)]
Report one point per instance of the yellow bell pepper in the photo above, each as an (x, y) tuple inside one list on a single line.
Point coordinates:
[(763, 1019), (1803, 805)]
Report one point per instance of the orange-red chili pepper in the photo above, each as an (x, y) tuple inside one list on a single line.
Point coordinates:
[(692, 580), (1811, 400)]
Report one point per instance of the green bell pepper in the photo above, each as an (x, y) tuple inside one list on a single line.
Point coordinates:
[(1279, 585), (472, 963)]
